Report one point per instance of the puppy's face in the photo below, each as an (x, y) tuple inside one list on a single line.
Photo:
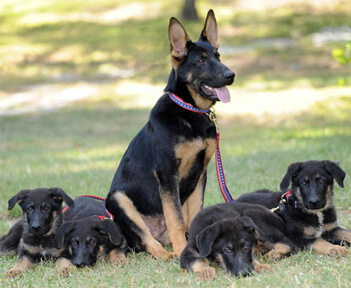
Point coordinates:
[(231, 242), (87, 240), (312, 183)]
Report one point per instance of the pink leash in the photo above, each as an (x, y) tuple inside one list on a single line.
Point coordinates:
[(219, 166)]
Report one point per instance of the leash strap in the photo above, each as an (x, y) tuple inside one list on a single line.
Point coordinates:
[(219, 165), (102, 217)]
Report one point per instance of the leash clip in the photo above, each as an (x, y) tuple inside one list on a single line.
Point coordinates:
[(212, 115)]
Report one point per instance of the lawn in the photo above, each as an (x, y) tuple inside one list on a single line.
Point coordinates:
[(78, 147)]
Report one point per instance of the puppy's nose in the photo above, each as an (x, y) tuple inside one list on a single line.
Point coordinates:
[(79, 264), (229, 76)]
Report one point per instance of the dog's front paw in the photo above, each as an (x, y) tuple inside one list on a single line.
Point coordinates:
[(262, 267), (118, 259), (13, 272), (337, 251), (274, 255), (65, 271), (206, 274)]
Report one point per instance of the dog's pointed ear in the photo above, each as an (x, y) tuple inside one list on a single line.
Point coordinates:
[(210, 31), (178, 39), (334, 169), (62, 232), (253, 229), (206, 238), (18, 198), (59, 195), (111, 229), (291, 173)]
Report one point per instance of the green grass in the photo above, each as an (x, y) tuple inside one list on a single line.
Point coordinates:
[(79, 147)]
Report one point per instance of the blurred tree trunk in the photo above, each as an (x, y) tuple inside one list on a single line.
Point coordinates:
[(189, 11)]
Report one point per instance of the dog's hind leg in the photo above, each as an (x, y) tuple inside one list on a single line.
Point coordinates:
[(9, 243), (151, 244), (321, 246)]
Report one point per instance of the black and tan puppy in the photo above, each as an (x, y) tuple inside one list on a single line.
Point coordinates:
[(307, 208), (88, 234), (229, 233), (34, 234), (159, 185)]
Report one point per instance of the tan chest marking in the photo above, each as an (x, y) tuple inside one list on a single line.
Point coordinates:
[(186, 153)]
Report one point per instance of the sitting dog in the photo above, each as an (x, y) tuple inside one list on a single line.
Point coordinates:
[(88, 234), (229, 233), (159, 185), (33, 237), (307, 208)]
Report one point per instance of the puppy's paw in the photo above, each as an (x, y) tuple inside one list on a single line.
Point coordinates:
[(118, 259), (206, 274), (274, 255), (64, 271), (13, 272), (262, 267), (337, 251)]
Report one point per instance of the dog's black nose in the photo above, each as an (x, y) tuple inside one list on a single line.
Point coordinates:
[(79, 264), (36, 228), (229, 76)]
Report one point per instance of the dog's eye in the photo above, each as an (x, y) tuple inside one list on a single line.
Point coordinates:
[(74, 243), (91, 242), (227, 250), (304, 182), (45, 208), (201, 59), (246, 247), (30, 209), (321, 181), (217, 55)]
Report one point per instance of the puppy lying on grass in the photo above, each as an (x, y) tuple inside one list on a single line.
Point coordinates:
[(88, 234), (33, 237), (307, 209)]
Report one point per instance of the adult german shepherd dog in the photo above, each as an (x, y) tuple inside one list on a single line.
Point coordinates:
[(159, 185)]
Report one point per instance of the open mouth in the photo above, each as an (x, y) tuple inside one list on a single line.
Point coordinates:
[(221, 94)]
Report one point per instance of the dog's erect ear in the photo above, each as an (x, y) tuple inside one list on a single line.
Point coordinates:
[(291, 173), (206, 238), (334, 169), (18, 198), (59, 195), (178, 38), (210, 31), (253, 229), (63, 231), (111, 229)]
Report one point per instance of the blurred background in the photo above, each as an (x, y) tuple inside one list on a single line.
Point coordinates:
[(78, 79), (287, 54)]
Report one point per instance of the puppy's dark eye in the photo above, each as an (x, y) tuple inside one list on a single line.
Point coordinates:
[(74, 243), (201, 59), (227, 250), (321, 181), (91, 243), (304, 182), (246, 246), (30, 209), (217, 55)]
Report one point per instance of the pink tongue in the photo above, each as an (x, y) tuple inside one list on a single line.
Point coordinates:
[(223, 94)]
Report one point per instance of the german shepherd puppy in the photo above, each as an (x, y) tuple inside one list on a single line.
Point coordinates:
[(88, 234), (308, 209), (159, 185), (33, 237), (231, 234)]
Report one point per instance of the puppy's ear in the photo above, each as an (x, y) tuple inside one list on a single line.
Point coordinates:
[(178, 39), (253, 229), (59, 195), (18, 198), (63, 231), (291, 173), (210, 31), (206, 238), (334, 169), (113, 232)]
